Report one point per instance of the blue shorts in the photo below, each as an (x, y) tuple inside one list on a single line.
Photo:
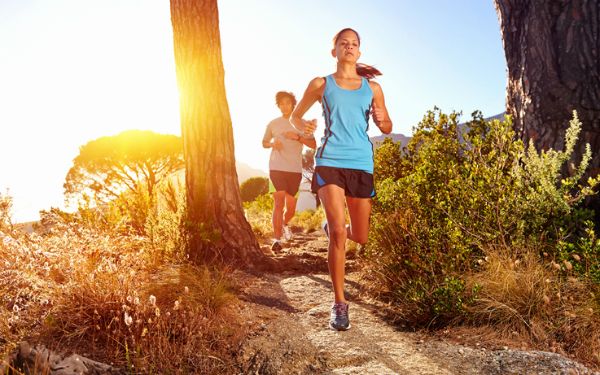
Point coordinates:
[(356, 183)]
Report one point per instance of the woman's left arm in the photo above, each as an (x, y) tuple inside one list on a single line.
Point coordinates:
[(307, 140), (378, 110)]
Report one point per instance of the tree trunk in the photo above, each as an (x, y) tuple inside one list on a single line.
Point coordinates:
[(216, 224), (552, 53)]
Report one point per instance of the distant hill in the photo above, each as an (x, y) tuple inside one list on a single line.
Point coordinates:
[(403, 139), (244, 172), (396, 137)]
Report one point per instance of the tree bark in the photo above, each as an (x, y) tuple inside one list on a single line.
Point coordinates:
[(216, 224), (552, 53)]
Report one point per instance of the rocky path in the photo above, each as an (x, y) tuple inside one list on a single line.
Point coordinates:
[(287, 314)]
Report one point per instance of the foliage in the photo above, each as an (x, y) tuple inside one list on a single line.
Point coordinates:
[(128, 213), (454, 191), (118, 296), (108, 166), (308, 164), (259, 214), (532, 301), (5, 211), (309, 220), (164, 225), (389, 161), (253, 187)]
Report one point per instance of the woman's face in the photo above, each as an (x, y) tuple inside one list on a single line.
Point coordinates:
[(286, 106), (347, 47)]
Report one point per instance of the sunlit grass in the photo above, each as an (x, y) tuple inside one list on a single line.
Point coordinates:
[(113, 298), (527, 296), (259, 214)]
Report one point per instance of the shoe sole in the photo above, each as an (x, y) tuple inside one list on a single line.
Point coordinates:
[(339, 329)]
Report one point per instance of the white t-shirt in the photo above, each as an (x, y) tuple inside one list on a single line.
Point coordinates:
[(289, 158)]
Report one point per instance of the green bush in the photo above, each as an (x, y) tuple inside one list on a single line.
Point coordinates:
[(453, 193), (259, 214), (253, 187)]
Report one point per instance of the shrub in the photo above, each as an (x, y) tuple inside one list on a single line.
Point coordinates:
[(253, 187), (90, 291), (453, 192), (259, 214)]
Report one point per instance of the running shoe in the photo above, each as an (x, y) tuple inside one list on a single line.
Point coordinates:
[(276, 246), (339, 320), (287, 233)]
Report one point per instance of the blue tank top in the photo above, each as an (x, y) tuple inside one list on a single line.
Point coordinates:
[(346, 143)]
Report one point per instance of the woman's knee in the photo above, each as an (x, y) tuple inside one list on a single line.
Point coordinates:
[(361, 239), (337, 231)]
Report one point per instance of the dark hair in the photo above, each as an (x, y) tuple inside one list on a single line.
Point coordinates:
[(363, 70), (284, 94)]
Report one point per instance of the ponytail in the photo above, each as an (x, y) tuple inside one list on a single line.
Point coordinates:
[(367, 71), (363, 70)]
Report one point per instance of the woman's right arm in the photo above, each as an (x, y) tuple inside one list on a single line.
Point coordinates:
[(266, 142), (313, 93)]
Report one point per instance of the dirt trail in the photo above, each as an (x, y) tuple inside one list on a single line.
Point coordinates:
[(288, 312)]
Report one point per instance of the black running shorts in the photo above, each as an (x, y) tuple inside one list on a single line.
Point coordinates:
[(356, 183), (286, 181)]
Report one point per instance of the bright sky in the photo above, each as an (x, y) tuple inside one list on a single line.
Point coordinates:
[(74, 70)]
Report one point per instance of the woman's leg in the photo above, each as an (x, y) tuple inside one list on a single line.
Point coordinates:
[(278, 205), (333, 200), (360, 213), (290, 208)]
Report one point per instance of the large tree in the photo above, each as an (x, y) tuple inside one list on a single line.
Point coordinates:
[(218, 228), (553, 57), (132, 160)]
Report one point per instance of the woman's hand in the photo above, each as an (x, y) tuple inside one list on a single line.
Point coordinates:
[(310, 126), (378, 114), (277, 145)]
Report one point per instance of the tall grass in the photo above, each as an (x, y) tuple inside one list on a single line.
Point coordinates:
[(259, 214), (129, 300), (533, 298)]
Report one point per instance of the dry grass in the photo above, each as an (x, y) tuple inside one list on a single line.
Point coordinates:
[(259, 214), (309, 220), (105, 296), (527, 297)]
